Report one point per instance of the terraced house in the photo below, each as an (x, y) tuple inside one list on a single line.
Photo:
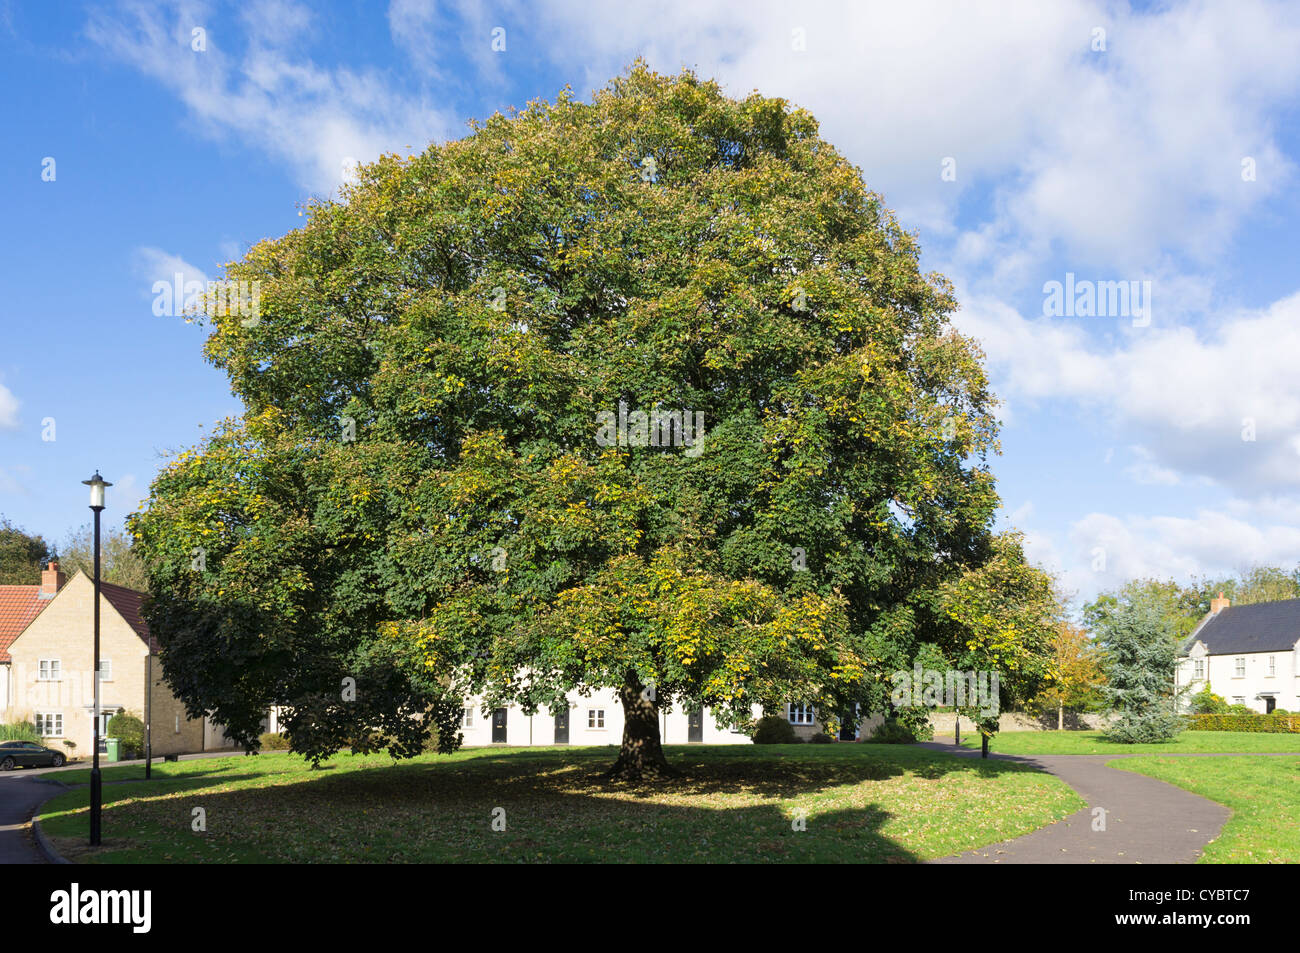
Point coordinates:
[(47, 654), (1250, 655), (597, 719)]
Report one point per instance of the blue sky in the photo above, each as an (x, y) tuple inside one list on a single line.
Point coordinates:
[(1022, 142)]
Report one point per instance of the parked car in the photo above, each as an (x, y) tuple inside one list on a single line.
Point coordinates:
[(28, 754)]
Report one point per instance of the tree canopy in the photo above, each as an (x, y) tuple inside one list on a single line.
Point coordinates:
[(645, 393), (21, 555), (118, 561)]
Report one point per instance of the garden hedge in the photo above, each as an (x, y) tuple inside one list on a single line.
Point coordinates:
[(1283, 723)]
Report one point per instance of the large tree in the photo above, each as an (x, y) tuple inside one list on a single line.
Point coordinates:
[(447, 479)]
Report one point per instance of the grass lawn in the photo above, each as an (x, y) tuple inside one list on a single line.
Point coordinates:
[(863, 803), (1264, 794), (1091, 742)]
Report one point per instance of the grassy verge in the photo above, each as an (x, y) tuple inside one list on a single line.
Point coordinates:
[(1263, 793), (1091, 742), (862, 803)]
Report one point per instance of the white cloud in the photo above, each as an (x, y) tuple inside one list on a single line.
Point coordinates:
[(10, 484), (1102, 551), (270, 96), (1193, 397), (127, 493), (8, 409), (1149, 473), (154, 264), (1113, 157), (1021, 513), (1213, 543)]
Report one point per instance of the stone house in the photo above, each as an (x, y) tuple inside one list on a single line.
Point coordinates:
[(47, 653)]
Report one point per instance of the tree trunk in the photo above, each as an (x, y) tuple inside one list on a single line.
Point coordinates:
[(641, 757), (1060, 717)]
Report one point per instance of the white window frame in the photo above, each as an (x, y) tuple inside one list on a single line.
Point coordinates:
[(49, 670), (801, 713), (105, 666), (1239, 667), (596, 719), (1238, 699), (1198, 668), (44, 726), (467, 717), (1272, 666)]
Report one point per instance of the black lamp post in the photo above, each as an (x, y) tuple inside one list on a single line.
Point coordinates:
[(97, 485)]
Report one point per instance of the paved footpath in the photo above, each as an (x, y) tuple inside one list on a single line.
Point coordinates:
[(1146, 821), (22, 791), (19, 797)]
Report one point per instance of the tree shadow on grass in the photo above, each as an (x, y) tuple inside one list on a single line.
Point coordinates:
[(554, 807)]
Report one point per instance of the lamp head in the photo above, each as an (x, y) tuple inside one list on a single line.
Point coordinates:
[(97, 485)]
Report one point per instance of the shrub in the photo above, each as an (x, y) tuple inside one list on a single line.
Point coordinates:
[(894, 731), (774, 730), (1251, 722), (19, 731), (1239, 710), (274, 741), (821, 738), (1148, 728), (129, 730), (1205, 702)]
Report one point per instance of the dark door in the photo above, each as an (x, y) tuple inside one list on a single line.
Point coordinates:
[(1269, 704), (695, 725), (498, 726), (562, 726), (849, 726)]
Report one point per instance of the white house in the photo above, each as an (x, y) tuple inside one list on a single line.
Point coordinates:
[(598, 720), (1250, 655)]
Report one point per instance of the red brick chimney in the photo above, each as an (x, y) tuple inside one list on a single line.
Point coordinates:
[(51, 580), (1217, 604)]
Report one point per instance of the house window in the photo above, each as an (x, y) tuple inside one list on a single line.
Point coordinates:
[(178, 724), (1198, 668), (1272, 665), (50, 670), (595, 718), (467, 718), (49, 724), (1239, 699), (800, 714), (1239, 668), (105, 670)]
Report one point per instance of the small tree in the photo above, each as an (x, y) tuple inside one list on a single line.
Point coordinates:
[(1142, 654), (119, 563), (128, 729), (1077, 673)]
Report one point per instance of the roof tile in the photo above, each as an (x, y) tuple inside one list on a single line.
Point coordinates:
[(1258, 627)]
